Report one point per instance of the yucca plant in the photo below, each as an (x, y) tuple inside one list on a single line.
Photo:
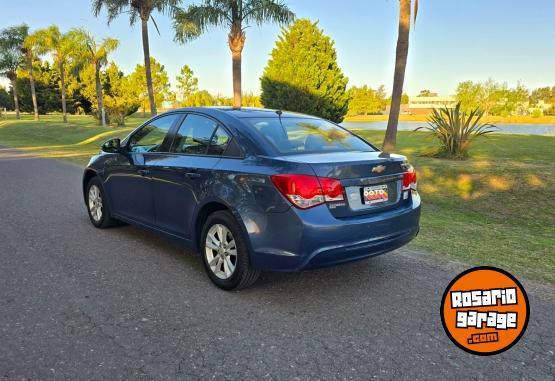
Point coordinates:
[(456, 130)]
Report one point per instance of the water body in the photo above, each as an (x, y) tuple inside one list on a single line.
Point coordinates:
[(531, 129)]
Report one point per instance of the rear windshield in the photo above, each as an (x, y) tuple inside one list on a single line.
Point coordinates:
[(307, 135)]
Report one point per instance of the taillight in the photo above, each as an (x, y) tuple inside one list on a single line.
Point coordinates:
[(409, 178), (306, 191)]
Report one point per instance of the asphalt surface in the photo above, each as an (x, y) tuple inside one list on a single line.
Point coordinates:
[(81, 303)]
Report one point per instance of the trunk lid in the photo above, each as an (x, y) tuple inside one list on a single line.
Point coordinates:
[(365, 177)]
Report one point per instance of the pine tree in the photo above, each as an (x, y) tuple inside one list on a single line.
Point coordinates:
[(302, 74)]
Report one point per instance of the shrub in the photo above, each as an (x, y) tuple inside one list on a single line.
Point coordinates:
[(456, 130), (302, 74)]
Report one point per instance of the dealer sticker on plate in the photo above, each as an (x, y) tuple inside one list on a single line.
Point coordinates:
[(375, 194)]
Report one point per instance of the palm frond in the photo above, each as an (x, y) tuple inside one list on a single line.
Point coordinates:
[(197, 19), (263, 11)]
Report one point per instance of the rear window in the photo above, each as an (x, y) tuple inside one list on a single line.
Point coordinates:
[(306, 135)]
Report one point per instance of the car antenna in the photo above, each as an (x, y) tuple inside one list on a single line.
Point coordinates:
[(279, 112)]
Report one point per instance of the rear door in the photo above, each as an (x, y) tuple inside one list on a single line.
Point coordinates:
[(128, 178), (183, 176)]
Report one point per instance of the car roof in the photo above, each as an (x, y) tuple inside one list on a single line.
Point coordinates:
[(244, 112)]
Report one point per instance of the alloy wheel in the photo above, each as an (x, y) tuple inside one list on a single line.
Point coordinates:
[(221, 251), (95, 203)]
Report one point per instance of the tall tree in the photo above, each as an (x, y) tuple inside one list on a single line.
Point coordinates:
[(29, 49), (187, 83), (139, 9), (302, 74), (86, 51), (390, 139), (11, 57), (160, 83), (236, 15), (59, 45)]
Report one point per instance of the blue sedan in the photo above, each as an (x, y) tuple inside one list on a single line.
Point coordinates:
[(255, 190)]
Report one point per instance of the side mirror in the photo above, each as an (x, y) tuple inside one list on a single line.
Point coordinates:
[(112, 146)]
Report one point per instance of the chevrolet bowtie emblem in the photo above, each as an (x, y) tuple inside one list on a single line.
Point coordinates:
[(378, 169)]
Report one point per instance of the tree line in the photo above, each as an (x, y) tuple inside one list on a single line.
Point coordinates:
[(325, 95), (496, 98), (79, 49)]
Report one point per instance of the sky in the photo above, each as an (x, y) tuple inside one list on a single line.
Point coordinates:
[(452, 41)]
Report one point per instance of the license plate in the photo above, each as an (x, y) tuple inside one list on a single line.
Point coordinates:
[(375, 194)]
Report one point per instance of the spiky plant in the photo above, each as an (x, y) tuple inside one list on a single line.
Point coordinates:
[(456, 130)]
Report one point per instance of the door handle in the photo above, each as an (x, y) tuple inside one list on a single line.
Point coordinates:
[(192, 175), (143, 172)]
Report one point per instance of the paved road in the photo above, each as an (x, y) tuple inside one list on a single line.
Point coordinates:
[(81, 303)]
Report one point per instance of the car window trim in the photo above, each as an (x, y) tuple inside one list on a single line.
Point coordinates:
[(218, 125), (179, 118)]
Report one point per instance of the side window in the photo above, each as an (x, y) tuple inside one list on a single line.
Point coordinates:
[(219, 142), (193, 136), (150, 137)]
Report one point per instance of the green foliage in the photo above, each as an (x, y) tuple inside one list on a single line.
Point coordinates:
[(187, 83), (199, 99), (160, 83), (121, 96), (11, 50), (85, 50), (134, 8), (545, 94), (51, 40), (6, 100), (46, 87), (365, 100), (493, 98), (251, 100), (302, 74), (455, 130)]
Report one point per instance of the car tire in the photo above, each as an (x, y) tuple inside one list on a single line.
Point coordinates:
[(220, 260), (97, 206)]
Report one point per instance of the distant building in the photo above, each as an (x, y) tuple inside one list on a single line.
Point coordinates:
[(422, 105)]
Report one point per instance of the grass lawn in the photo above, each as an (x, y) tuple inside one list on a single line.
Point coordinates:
[(496, 208), (75, 141)]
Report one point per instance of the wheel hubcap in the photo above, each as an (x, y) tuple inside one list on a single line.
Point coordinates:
[(95, 203), (220, 251)]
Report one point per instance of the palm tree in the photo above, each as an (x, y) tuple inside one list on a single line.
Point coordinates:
[(86, 51), (29, 47), (51, 40), (139, 9), (190, 23), (390, 139), (11, 57)]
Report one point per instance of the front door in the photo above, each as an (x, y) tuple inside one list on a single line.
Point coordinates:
[(128, 179)]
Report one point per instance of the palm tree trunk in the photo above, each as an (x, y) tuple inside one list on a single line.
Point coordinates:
[(63, 80), (236, 58), (15, 97), (100, 101), (148, 73), (390, 139), (32, 81), (236, 42)]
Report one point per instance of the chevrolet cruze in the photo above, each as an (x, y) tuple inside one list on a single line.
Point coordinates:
[(255, 190)]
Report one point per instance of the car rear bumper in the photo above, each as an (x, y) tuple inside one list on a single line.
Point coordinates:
[(306, 239)]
